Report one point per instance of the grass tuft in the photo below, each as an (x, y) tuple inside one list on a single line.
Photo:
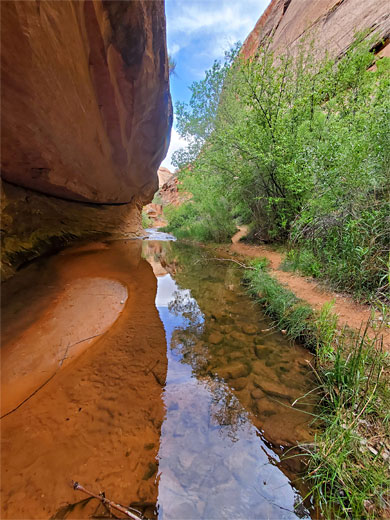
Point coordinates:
[(348, 463)]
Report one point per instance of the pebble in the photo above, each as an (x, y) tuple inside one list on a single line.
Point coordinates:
[(238, 336), (234, 371), (273, 389), (257, 393), (240, 384), (248, 328), (263, 352), (215, 338)]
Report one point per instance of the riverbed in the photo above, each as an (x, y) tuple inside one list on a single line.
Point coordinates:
[(141, 368)]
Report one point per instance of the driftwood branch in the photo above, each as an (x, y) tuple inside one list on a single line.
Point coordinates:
[(106, 501)]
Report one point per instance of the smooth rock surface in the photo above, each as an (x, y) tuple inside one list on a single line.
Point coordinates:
[(330, 24), (86, 117), (86, 110)]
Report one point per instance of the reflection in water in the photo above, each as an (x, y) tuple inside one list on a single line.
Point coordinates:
[(228, 394)]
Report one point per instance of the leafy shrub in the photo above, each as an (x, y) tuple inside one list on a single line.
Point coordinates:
[(186, 222), (302, 260), (299, 149), (146, 221)]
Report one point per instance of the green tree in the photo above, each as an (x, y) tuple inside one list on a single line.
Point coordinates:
[(299, 149)]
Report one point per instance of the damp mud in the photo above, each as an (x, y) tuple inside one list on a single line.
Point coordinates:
[(182, 401)]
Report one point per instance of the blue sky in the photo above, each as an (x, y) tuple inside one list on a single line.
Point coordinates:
[(198, 32)]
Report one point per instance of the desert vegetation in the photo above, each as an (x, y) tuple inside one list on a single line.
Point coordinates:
[(297, 148), (348, 462)]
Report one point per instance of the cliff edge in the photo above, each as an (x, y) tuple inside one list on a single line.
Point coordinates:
[(330, 24)]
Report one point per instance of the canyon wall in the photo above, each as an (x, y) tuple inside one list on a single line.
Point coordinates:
[(86, 118), (330, 24)]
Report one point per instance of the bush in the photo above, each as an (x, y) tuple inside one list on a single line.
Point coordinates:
[(186, 222), (298, 149), (146, 221)]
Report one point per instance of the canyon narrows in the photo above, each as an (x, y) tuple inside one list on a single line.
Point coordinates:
[(175, 372)]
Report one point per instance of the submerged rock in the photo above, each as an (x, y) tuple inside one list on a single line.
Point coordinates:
[(263, 352), (215, 338), (273, 388), (257, 393), (234, 371), (249, 328), (239, 384)]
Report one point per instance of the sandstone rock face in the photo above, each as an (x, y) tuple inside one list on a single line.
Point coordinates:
[(86, 117), (35, 223), (332, 24), (169, 195), (164, 175), (85, 97)]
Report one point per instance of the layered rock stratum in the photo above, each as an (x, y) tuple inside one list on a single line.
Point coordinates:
[(86, 118), (330, 24)]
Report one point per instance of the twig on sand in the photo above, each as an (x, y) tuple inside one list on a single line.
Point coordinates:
[(74, 344), (106, 501)]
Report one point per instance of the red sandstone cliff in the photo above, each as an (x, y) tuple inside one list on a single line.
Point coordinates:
[(332, 24), (86, 116)]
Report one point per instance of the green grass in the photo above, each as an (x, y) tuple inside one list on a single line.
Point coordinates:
[(146, 221), (185, 222), (289, 313), (303, 261), (348, 462), (361, 271)]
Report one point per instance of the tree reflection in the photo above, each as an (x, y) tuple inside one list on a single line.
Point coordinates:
[(189, 344), (226, 410)]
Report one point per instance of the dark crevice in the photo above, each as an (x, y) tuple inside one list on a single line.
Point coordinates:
[(57, 197), (381, 45), (286, 4)]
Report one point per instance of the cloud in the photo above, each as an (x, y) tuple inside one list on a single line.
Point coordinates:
[(177, 142), (199, 32), (228, 16), (216, 17), (206, 28), (174, 49)]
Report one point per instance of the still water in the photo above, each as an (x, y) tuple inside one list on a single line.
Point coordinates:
[(141, 368), (230, 384)]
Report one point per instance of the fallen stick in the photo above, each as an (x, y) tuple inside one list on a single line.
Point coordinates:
[(106, 501)]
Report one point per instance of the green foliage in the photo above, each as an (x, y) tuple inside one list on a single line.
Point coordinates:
[(146, 221), (171, 65), (290, 313), (187, 222), (325, 326), (347, 463), (302, 260), (348, 469), (157, 198), (299, 149)]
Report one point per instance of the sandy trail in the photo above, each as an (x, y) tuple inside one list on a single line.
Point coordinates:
[(350, 313)]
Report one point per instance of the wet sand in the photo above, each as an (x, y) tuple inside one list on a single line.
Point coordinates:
[(98, 420)]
